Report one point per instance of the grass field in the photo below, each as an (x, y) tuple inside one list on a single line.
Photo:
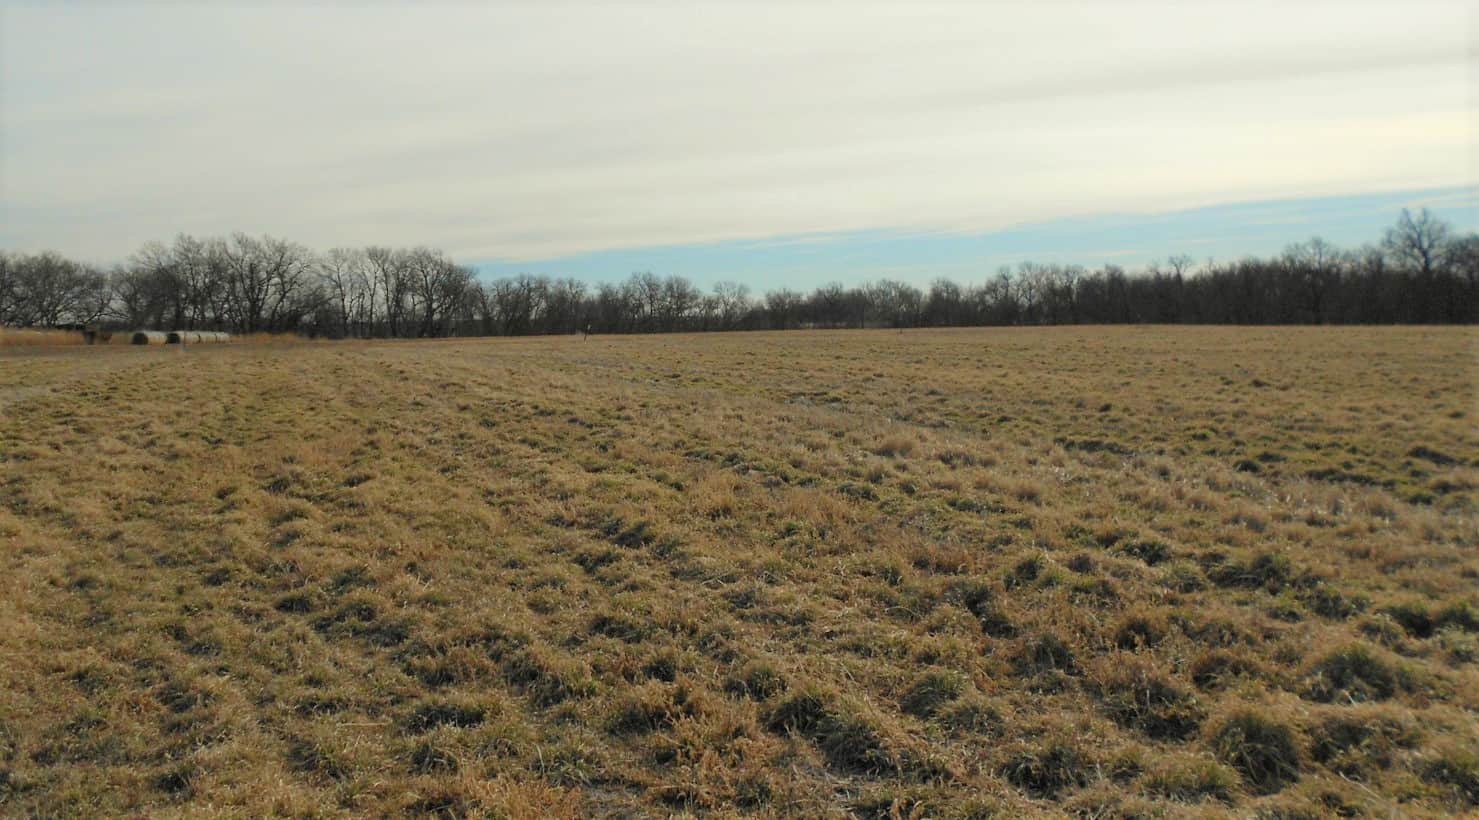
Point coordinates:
[(958, 573)]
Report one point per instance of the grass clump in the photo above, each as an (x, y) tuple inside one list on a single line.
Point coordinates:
[(801, 712), (843, 730), (757, 680), (895, 447), (1045, 652), (932, 691), (434, 755), (1270, 571), (645, 709), (427, 716), (547, 679), (1150, 551), (1142, 629), (1048, 771), (972, 714), (1192, 781), (1359, 741), (853, 743), (1413, 616), (1455, 770), (1327, 601), (1265, 751), (1460, 646), (1459, 615), (1139, 695), (1217, 668), (977, 596), (1353, 674)]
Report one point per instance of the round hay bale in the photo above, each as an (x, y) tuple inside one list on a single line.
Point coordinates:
[(149, 337)]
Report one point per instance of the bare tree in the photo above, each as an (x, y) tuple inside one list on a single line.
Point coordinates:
[(439, 289), (391, 277), (945, 303), (9, 298), (732, 301), (47, 289), (679, 298), (1417, 243), (1462, 257), (784, 308), (345, 273), (564, 301), (517, 303), (1315, 266)]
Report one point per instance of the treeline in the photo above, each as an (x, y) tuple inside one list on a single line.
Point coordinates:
[(1420, 272)]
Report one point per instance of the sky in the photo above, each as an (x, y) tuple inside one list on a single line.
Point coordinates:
[(776, 143)]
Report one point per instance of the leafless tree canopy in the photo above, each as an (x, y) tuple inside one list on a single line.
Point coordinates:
[(1421, 272)]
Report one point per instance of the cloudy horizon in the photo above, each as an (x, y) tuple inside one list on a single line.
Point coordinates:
[(516, 135)]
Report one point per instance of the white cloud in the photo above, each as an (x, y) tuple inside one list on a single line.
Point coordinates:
[(526, 131)]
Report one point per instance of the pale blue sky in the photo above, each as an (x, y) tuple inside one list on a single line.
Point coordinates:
[(711, 139), (1132, 241)]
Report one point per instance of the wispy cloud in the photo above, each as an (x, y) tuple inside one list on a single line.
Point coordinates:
[(524, 132)]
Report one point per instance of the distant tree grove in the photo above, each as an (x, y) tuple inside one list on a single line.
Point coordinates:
[(1420, 272)]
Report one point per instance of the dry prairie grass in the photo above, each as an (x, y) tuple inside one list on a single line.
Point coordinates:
[(25, 337), (30, 338), (273, 339), (957, 573)]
